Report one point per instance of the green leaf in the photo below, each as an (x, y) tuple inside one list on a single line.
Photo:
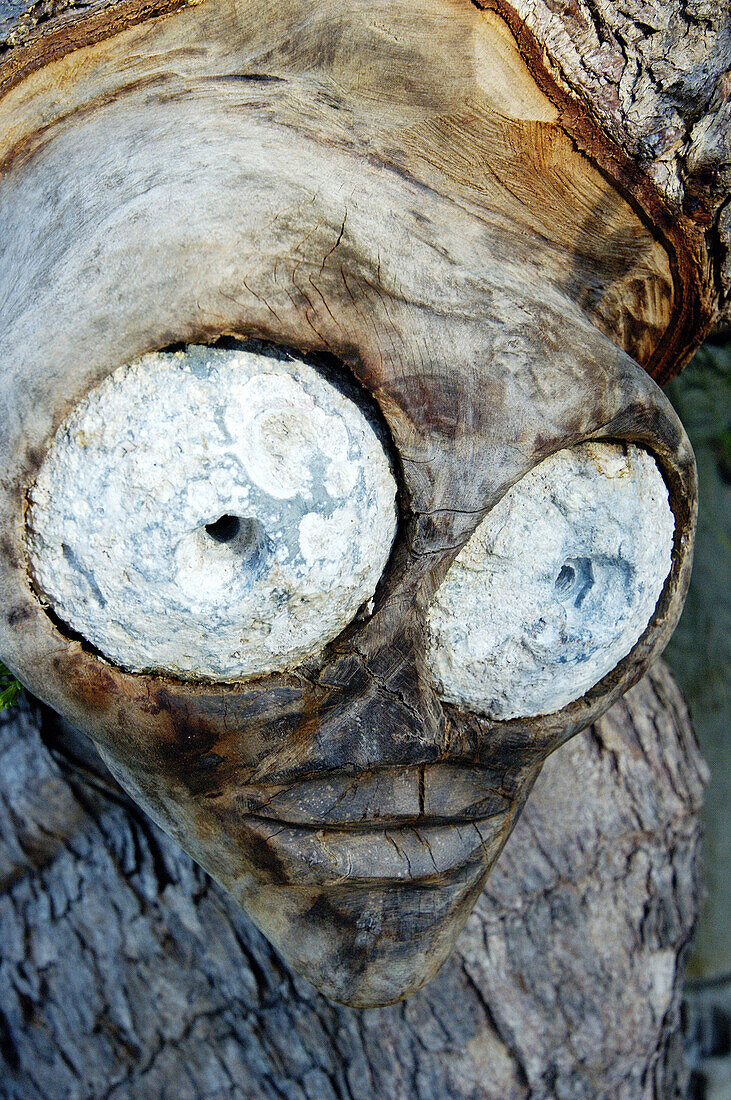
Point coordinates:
[(10, 688)]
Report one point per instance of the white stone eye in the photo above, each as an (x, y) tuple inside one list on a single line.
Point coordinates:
[(556, 584), (215, 513)]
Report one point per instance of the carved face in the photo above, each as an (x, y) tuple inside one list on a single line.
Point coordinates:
[(325, 611)]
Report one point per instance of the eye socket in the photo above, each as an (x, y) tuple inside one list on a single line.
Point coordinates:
[(211, 512), (556, 585)]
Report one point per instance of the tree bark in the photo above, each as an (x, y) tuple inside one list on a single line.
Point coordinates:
[(126, 972), (655, 77)]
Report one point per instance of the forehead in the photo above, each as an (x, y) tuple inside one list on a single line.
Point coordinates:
[(441, 93), (387, 184)]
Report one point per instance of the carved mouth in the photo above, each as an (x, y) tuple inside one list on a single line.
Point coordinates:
[(393, 825), (376, 855), (384, 798)]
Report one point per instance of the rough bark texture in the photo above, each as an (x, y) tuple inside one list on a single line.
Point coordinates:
[(126, 972), (655, 118), (657, 78), (439, 199)]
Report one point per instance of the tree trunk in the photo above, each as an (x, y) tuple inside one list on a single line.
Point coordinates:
[(491, 216), (126, 972), (655, 78)]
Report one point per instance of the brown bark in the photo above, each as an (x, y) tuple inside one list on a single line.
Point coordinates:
[(655, 79), (126, 972)]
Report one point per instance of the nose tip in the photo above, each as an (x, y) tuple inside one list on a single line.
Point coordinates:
[(379, 716)]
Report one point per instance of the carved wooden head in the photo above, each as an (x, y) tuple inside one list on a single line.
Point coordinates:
[(335, 490)]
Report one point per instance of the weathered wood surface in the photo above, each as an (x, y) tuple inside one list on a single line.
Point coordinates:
[(278, 172), (126, 972), (654, 77), (431, 203), (643, 89)]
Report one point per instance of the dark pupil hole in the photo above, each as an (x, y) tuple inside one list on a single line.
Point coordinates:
[(566, 578), (224, 529)]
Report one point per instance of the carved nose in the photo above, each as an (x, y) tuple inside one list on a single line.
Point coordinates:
[(382, 711)]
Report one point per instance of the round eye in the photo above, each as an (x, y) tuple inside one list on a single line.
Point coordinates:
[(213, 512), (556, 584)]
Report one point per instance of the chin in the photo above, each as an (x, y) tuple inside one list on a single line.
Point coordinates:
[(366, 946)]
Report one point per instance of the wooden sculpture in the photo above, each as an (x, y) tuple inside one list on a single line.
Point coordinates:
[(320, 322)]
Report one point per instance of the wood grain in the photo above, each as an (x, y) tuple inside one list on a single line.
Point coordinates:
[(644, 99)]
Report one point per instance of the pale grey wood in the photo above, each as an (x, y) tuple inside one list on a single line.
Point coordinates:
[(614, 249), (126, 973), (275, 171)]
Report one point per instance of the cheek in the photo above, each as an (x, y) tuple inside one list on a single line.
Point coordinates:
[(216, 513), (556, 585)]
